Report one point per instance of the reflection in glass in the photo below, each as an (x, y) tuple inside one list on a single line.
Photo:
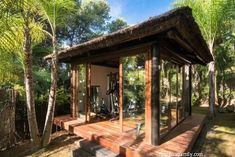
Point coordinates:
[(186, 92), (173, 79), (134, 94), (81, 88), (164, 97), (180, 95), (171, 94)]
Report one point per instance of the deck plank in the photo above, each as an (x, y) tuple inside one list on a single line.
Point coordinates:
[(109, 135)]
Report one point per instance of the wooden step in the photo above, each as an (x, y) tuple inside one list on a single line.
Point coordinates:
[(80, 153), (96, 149)]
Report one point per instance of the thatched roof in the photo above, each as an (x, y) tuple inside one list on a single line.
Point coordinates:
[(180, 21)]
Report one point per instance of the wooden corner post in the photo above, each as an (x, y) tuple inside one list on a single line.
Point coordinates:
[(88, 93), (148, 113), (152, 98), (155, 97), (74, 91), (121, 95)]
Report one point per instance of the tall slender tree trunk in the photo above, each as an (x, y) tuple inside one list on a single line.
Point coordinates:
[(211, 83), (46, 137), (199, 86), (28, 81)]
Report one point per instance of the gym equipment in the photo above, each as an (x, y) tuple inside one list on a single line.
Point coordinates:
[(95, 98), (98, 106), (113, 93)]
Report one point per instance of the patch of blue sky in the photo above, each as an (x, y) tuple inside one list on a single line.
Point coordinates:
[(135, 11)]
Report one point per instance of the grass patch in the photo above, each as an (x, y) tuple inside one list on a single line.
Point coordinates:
[(220, 138)]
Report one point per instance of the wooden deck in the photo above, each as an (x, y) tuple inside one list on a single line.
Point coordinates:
[(107, 134)]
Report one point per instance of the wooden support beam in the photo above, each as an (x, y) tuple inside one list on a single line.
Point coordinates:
[(176, 36), (88, 93), (155, 97), (121, 94), (108, 55), (74, 91), (148, 112), (173, 55), (190, 90)]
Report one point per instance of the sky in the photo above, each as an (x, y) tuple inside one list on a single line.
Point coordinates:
[(135, 11)]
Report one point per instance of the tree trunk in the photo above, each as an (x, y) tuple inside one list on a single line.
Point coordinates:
[(211, 83), (199, 86), (28, 80), (13, 114), (46, 137)]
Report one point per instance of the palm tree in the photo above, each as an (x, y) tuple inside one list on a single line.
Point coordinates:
[(18, 33), (210, 16), (54, 13), (10, 62), (25, 24)]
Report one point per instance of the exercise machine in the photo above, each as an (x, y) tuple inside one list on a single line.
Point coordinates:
[(113, 93)]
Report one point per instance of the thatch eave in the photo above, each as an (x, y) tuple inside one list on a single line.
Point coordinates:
[(180, 19)]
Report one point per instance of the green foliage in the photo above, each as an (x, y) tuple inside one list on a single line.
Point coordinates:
[(225, 63), (63, 97), (225, 58), (12, 24), (42, 81), (116, 25), (210, 15), (216, 19), (71, 20), (54, 13), (134, 83), (87, 22)]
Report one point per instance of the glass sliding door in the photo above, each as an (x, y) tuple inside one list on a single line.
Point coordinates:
[(82, 90), (173, 81), (185, 91), (172, 99), (134, 94), (165, 97), (181, 107)]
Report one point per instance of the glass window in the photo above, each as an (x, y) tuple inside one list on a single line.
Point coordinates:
[(181, 107), (81, 88), (134, 94), (164, 97), (172, 100), (185, 90)]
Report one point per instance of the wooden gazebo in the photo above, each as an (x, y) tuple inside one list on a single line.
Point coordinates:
[(172, 41)]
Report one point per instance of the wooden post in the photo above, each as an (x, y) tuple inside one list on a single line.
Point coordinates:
[(88, 95), (148, 112), (190, 90), (121, 94), (169, 101), (155, 97), (74, 90), (177, 94)]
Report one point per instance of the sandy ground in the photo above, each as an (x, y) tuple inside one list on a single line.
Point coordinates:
[(62, 145)]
